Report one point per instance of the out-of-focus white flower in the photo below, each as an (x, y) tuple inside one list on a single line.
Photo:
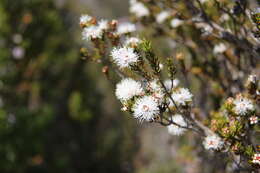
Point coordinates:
[(252, 79), (157, 91), (125, 28), (219, 48), (145, 108), (124, 56), (139, 9), (18, 52), (256, 159), (253, 120), (243, 105), (132, 41), (162, 16), (213, 142), (171, 84), (127, 89), (85, 19), (176, 23), (103, 25), (175, 129), (224, 17), (92, 32), (181, 97)]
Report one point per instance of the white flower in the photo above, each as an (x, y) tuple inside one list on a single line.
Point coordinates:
[(213, 142), (219, 48), (103, 25), (175, 129), (139, 9), (161, 17), (253, 120), (127, 89), (171, 84), (124, 56), (84, 19), (181, 97), (252, 79), (145, 108), (132, 41), (92, 32), (242, 106), (256, 159), (125, 28), (176, 22)]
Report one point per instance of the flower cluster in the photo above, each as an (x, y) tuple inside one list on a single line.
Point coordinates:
[(91, 28), (208, 62)]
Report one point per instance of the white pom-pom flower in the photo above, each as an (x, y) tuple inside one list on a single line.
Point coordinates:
[(103, 25), (124, 56), (162, 16), (92, 32), (145, 108), (213, 142), (176, 23), (175, 129), (125, 28), (181, 97), (243, 106), (85, 19), (139, 9), (171, 84), (127, 89)]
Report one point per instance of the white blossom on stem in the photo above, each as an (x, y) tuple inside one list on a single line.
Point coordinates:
[(127, 89), (213, 142), (85, 19), (125, 28), (243, 106), (124, 56), (145, 108), (171, 84), (181, 97), (92, 32), (174, 129), (132, 41)]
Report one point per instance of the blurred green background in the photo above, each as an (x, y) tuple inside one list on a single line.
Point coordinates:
[(57, 111)]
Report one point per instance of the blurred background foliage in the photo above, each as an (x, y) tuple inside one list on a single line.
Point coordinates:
[(54, 117)]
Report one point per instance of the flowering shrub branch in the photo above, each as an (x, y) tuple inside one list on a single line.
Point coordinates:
[(223, 51)]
